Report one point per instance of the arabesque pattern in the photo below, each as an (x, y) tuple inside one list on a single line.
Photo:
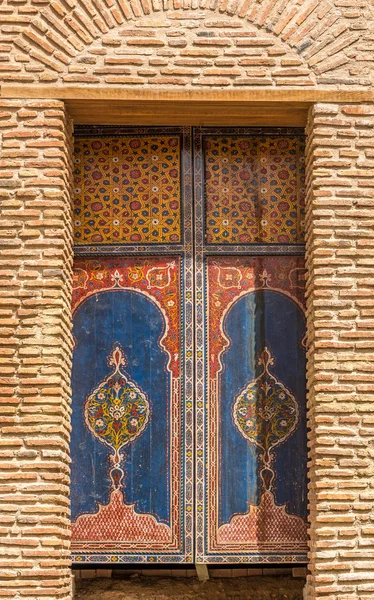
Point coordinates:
[(127, 190), (254, 190), (255, 420)]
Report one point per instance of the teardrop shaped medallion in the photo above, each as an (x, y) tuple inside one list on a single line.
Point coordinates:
[(265, 413), (117, 411)]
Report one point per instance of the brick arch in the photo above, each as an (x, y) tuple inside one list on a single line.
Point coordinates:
[(293, 44)]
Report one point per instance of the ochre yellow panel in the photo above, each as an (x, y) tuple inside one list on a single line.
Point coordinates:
[(127, 190), (254, 190)]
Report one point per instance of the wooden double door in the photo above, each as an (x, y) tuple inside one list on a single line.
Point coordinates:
[(188, 415)]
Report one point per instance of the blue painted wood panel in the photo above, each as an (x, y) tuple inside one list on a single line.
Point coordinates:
[(255, 418), (134, 321), (128, 443), (262, 319)]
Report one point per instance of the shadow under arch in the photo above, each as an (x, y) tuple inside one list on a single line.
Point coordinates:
[(259, 319)]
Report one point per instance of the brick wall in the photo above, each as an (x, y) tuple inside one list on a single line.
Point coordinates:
[(35, 349), (188, 44), (147, 43), (340, 259)]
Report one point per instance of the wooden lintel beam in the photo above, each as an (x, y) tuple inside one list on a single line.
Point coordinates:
[(124, 93), (146, 113)]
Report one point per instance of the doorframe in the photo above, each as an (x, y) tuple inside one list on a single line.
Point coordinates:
[(123, 100), (116, 250)]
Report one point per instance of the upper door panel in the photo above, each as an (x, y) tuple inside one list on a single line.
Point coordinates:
[(130, 186), (254, 189)]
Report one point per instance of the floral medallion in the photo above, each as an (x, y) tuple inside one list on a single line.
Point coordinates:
[(265, 412), (117, 411)]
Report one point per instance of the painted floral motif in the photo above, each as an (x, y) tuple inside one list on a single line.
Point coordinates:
[(228, 277), (117, 411), (254, 190), (127, 190), (265, 412), (159, 277)]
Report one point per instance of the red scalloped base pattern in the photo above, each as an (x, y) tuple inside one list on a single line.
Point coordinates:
[(118, 521), (264, 523)]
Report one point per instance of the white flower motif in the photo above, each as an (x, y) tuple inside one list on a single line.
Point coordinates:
[(170, 303), (117, 277), (117, 412)]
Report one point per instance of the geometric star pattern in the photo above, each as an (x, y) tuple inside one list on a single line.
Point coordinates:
[(254, 190), (127, 190)]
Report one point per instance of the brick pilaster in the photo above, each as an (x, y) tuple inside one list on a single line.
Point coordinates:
[(35, 349), (340, 291)]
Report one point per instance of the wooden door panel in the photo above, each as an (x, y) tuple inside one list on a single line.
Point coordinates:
[(250, 362), (127, 189), (128, 444), (255, 421), (254, 188), (132, 412)]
